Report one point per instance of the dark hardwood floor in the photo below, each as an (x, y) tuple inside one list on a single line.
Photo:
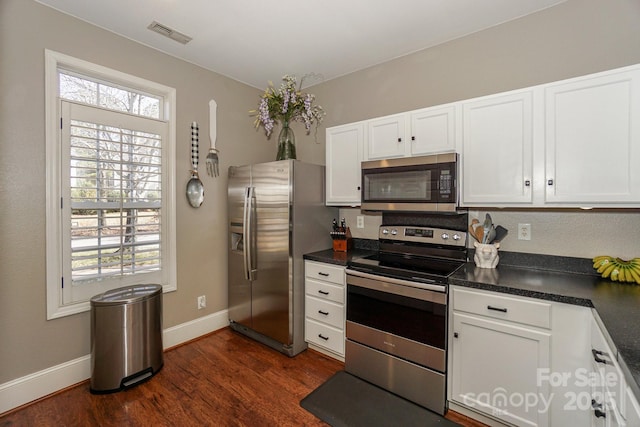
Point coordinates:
[(222, 379)]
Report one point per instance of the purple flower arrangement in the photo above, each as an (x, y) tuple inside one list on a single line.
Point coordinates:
[(287, 104)]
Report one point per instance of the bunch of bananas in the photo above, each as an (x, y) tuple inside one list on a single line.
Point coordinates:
[(618, 269)]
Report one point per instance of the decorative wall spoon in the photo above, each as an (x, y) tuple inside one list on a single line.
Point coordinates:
[(195, 189)]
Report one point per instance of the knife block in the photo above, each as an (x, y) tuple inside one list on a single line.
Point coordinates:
[(342, 240)]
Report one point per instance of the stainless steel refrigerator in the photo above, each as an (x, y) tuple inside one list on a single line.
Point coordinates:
[(276, 215)]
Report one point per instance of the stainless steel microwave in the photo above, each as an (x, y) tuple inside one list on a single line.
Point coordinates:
[(411, 184)]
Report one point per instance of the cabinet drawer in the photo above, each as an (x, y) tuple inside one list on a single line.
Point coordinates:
[(324, 336), (325, 311), (326, 272), (519, 310), (325, 291)]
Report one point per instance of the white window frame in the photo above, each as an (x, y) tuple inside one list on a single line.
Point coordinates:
[(55, 231)]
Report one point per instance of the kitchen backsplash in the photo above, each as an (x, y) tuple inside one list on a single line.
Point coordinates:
[(569, 233)]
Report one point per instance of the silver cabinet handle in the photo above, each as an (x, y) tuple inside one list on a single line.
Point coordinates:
[(597, 409), (598, 359)]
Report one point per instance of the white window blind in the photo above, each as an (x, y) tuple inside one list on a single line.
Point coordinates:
[(111, 200)]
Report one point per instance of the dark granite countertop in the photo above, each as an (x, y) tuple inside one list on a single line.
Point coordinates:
[(338, 258), (617, 304)]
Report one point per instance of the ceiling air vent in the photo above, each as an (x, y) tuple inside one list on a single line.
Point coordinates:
[(169, 32)]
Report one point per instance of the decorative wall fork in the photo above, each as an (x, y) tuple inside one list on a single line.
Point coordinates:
[(213, 168)]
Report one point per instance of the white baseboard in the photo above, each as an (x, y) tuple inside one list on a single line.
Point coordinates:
[(39, 384), (187, 331), (42, 383)]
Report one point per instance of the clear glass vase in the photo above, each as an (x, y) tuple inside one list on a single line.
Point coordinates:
[(286, 143)]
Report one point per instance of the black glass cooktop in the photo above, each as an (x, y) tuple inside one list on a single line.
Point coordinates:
[(421, 269)]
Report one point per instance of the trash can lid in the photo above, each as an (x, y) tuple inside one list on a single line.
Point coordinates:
[(127, 294)]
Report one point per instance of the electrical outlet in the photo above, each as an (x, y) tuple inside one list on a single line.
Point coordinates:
[(360, 221), (202, 302), (524, 231)]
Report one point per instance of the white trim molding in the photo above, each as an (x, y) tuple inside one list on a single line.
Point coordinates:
[(39, 384), (193, 329)]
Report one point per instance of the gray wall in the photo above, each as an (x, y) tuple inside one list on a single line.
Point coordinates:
[(28, 342), (577, 37)]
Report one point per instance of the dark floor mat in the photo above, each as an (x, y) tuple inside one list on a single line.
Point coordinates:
[(347, 401)]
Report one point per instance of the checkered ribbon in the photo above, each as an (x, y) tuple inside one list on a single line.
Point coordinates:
[(194, 147)]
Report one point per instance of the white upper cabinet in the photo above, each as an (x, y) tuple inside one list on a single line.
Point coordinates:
[(497, 154), (416, 133), (386, 137), (574, 143), (568, 144), (344, 152), (592, 140), (433, 130)]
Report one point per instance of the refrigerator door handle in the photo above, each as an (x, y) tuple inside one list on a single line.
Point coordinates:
[(250, 245), (245, 232)]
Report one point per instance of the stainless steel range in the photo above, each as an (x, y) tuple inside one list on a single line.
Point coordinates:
[(397, 312)]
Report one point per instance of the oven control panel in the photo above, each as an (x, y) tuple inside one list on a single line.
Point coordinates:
[(405, 233)]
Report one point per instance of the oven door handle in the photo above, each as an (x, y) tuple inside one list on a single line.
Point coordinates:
[(416, 284)]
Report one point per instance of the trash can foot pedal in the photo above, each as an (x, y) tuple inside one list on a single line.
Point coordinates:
[(136, 378)]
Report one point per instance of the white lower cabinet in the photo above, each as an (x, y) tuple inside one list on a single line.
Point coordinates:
[(633, 409), (495, 362), (324, 307), (613, 401), (518, 361)]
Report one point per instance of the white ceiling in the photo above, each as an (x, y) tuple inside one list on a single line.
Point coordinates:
[(256, 41)]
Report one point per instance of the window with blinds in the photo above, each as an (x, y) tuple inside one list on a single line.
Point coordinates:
[(112, 200), (111, 213), (115, 201)]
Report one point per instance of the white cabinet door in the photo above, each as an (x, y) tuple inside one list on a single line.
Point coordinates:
[(611, 388), (433, 130), (593, 140), (497, 150), (633, 409), (385, 137), (344, 152), (495, 367)]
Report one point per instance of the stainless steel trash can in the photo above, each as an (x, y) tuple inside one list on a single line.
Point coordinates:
[(126, 337)]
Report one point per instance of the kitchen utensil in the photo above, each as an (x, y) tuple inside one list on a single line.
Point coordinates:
[(479, 233), (195, 190), (486, 226), (491, 235), (212, 156), (501, 233), (472, 231)]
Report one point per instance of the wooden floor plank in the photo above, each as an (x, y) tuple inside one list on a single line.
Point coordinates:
[(222, 379)]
